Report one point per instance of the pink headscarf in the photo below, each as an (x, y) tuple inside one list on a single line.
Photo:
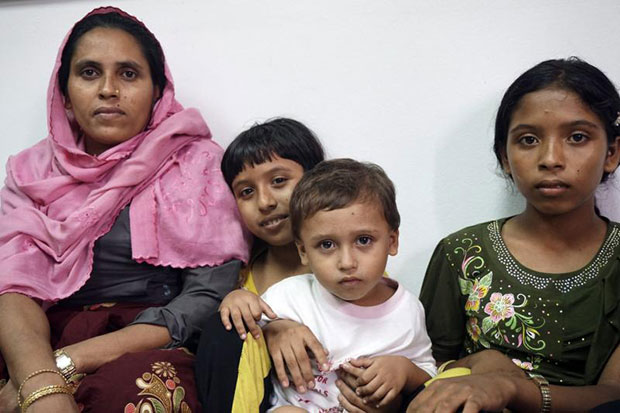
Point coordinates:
[(58, 200)]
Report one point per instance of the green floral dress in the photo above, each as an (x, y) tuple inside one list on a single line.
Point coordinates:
[(563, 326)]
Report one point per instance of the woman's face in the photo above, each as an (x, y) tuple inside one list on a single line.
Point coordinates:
[(110, 89)]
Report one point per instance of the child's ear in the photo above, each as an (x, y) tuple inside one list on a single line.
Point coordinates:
[(613, 155), (301, 249), (393, 242)]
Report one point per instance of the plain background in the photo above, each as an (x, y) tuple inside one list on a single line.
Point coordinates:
[(411, 85)]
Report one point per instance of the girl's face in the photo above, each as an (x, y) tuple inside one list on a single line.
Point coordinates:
[(557, 151), (263, 193), (110, 89)]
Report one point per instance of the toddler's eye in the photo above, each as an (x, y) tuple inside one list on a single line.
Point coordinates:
[(577, 138), (364, 240), (528, 140), (326, 244)]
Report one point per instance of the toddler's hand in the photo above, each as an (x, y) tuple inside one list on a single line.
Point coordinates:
[(379, 379), (245, 309)]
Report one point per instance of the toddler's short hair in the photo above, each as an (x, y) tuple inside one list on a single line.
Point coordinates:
[(283, 137), (337, 183)]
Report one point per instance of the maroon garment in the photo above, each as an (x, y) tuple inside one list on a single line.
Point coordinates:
[(163, 379)]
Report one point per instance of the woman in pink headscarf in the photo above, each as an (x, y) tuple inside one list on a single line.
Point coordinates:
[(117, 234)]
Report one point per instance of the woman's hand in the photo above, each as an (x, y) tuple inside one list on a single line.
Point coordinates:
[(244, 308), (8, 398), (490, 391), (379, 380), (289, 343), (48, 404)]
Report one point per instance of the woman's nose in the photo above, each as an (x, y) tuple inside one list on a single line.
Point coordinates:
[(109, 87)]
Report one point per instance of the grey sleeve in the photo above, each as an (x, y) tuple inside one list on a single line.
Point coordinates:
[(203, 290)]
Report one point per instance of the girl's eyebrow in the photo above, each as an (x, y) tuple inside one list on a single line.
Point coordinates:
[(580, 122)]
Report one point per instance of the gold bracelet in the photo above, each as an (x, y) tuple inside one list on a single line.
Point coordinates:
[(45, 391), (543, 385), (443, 366), (31, 375)]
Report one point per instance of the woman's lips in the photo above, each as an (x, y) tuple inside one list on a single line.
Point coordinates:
[(108, 112)]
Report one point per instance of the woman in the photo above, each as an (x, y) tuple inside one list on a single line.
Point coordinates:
[(531, 303), (122, 203)]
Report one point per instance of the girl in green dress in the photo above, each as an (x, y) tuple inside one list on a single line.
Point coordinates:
[(531, 303)]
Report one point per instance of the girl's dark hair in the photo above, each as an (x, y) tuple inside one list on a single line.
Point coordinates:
[(148, 44), (572, 74), (283, 137)]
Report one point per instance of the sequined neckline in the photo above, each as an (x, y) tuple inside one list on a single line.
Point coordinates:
[(540, 282)]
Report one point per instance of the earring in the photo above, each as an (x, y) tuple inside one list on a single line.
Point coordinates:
[(617, 121), (117, 92)]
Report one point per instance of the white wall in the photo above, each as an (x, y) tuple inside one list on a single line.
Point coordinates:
[(411, 85)]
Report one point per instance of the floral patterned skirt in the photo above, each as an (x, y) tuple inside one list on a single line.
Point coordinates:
[(148, 381)]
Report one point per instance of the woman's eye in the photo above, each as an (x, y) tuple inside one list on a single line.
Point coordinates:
[(326, 244), (577, 138), (528, 140), (88, 73), (364, 240), (130, 74)]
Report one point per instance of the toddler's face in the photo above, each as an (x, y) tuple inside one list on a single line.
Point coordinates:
[(263, 193), (347, 250)]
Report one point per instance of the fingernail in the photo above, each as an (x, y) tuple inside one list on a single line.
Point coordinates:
[(311, 385), (285, 383), (257, 336), (228, 327), (242, 336), (357, 391), (325, 367), (301, 389)]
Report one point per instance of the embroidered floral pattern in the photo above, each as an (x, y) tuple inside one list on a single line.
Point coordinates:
[(162, 391), (500, 307), (525, 365), (500, 317)]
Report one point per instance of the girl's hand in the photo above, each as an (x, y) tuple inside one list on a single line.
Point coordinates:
[(244, 308), (474, 393), (288, 344), (379, 380)]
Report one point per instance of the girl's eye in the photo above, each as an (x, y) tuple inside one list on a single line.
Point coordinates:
[(364, 240), (528, 140), (326, 244), (245, 192), (278, 180), (577, 138)]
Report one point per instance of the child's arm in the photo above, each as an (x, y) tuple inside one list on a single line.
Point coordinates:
[(381, 379), (245, 309)]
